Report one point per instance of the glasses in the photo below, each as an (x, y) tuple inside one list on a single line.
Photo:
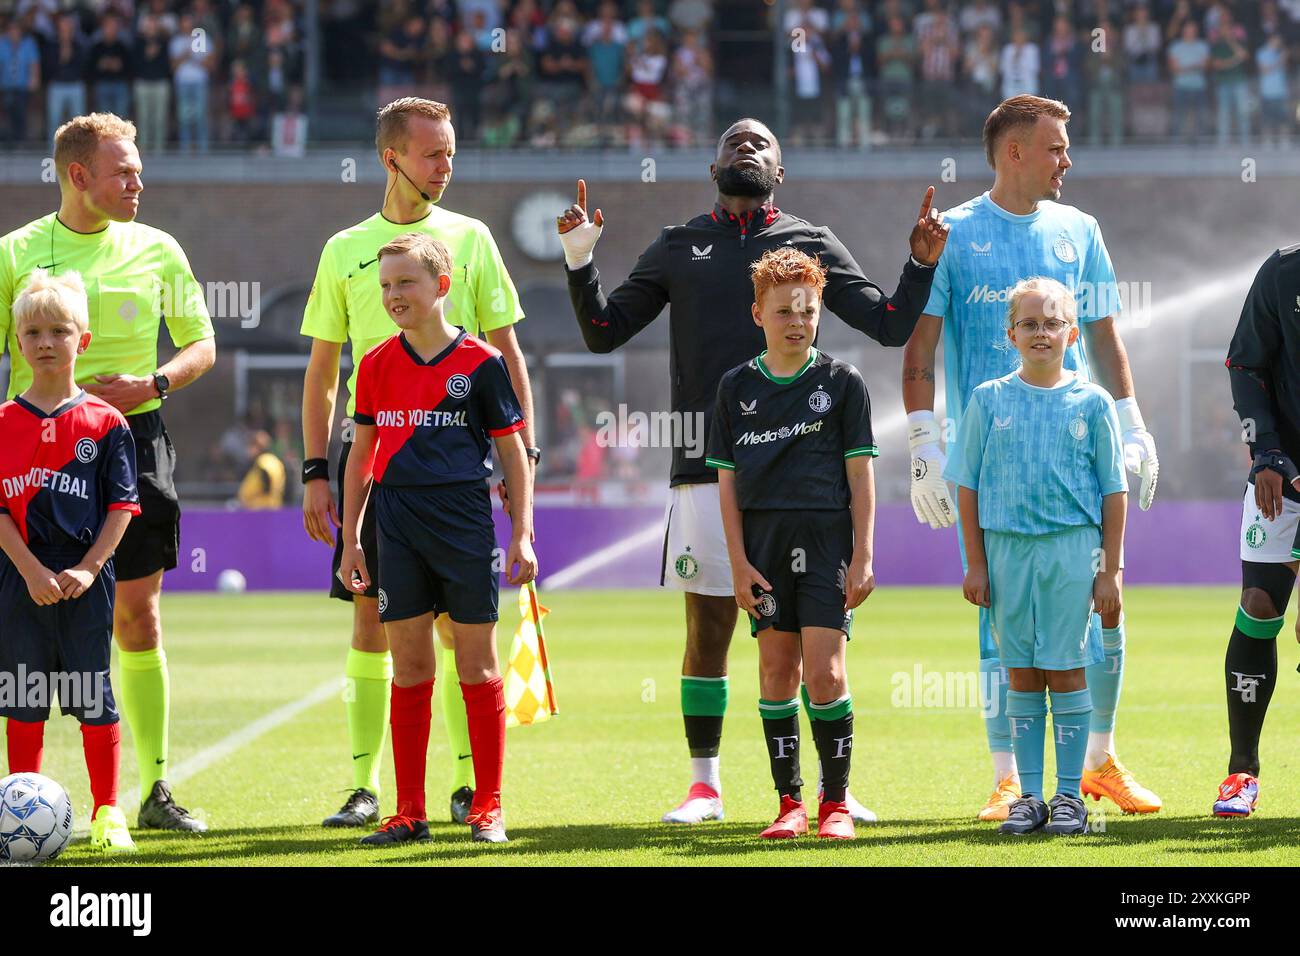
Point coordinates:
[(1050, 326)]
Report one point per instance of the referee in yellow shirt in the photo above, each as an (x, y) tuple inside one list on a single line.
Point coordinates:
[(415, 141), (136, 277)]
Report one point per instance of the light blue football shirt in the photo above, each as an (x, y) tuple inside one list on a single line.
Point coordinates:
[(1040, 458), (989, 250)]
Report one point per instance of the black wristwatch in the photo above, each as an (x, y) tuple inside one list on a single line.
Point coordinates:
[(535, 454), (315, 468), (162, 383)]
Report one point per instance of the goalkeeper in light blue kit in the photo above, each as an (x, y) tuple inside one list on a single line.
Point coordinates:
[(1040, 484), (1016, 230)]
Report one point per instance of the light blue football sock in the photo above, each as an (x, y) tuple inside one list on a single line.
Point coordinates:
[(1106, 678), (993, 704), (1027, 727), (1070, 714)]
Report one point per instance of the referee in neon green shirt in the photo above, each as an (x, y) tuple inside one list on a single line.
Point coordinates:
[(415, 141), (136, 277)]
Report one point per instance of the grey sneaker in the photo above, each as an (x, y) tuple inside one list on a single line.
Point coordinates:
[(161, 812), (1025, 816), (360, 809), (1069, 816), (460, 804)]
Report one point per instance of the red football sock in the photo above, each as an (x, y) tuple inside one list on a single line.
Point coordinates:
[(485, 705), (102, 744), (410, 717), (26, 745)]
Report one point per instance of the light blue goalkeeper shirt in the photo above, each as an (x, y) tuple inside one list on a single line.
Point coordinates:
[(989, 250)]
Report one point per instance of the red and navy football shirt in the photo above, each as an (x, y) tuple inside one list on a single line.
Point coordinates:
[(62, 473), (435, 419)]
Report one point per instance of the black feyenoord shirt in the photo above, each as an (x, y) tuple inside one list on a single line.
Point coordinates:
[(1264, 359), (787, 438), (702, 268)]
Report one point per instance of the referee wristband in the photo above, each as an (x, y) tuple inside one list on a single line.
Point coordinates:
[(314, 468)]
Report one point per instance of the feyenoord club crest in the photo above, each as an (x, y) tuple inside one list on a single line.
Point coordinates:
[(819, 401), (458, 386), (686, 565), (1065, 250), (1079, 429), (1256, 535), (766, 606)]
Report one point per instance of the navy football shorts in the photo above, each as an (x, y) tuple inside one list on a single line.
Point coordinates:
[(805, 556), (437, 548), (58, 650)]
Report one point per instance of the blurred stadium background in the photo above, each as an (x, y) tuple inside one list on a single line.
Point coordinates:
[(257, 147)]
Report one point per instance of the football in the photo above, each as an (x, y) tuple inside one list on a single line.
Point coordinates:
[(231, 581), (35, 818)]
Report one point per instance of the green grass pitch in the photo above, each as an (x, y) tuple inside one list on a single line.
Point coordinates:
[(588, 788)]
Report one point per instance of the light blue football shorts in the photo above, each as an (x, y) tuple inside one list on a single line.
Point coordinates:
[(1040, 591)]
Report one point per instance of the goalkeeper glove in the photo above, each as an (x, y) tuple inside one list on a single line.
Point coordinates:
[(1139, 450), (930, 498)]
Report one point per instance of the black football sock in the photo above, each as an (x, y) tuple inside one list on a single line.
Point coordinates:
[(1250, 672), (781, 731), (832, 727), (704, 701)]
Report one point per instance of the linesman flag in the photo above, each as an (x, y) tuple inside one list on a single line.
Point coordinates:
[(530, 696)]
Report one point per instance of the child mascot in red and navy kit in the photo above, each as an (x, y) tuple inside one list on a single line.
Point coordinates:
[(67, 492), (430, 402)]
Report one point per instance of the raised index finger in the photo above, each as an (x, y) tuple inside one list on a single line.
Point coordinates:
[(925, 203), (582, 195)]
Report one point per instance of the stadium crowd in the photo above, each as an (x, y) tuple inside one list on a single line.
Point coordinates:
[(1147, 69), (541, 73), (185, 73)]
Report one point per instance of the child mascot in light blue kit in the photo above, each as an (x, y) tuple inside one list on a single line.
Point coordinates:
[(1041, 493)]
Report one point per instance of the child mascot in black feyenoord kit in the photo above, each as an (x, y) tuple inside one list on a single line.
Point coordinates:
[(430, 402), (67, 493), (791, 439)]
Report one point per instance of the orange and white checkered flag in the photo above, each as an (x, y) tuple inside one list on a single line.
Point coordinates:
[(530, 696)]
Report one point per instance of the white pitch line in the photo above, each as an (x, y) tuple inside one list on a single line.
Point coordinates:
[(574, 572), (242, 737)]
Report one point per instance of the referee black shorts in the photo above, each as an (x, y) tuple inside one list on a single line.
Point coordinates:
[(68, 644), (805, 556), (152, 538), (369, 545)]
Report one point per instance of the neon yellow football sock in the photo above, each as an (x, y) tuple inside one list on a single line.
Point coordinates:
[(369, 687), (146, 704), (456, 722)]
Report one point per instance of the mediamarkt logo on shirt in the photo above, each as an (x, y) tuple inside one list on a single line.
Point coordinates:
[(419, 418), (785, 431)]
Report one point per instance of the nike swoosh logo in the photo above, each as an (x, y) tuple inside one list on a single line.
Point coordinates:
[(464, 756), (889, 307), (161, 760), (362, 265), (50, 266), (359, 756)]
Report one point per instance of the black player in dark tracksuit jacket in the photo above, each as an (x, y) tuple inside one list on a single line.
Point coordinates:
[(702, 269), (1264, 371)]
